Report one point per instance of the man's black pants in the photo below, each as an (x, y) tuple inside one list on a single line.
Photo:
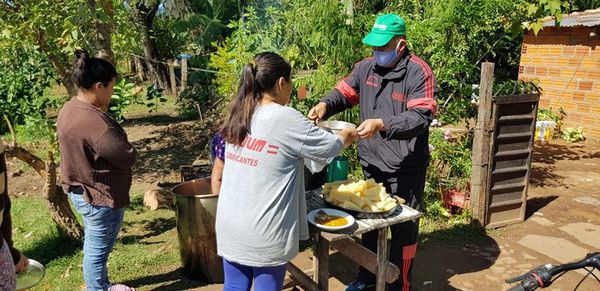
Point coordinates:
[(410, 186)]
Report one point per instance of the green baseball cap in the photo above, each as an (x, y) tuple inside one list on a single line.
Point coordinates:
[(385, 28)]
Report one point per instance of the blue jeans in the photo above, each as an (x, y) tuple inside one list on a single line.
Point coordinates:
[(239, 277), (101, 226)]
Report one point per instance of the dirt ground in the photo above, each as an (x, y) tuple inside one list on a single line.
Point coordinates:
[(562, 221)]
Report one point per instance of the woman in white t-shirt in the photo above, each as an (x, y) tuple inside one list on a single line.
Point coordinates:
[(261, 214)]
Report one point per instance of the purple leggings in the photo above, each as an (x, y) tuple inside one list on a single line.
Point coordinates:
[(239, 277)]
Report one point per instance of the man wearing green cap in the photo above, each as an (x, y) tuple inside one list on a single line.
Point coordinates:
[(396, 94)]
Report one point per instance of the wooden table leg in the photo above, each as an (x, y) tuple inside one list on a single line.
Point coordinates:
[(321, 262), (382, 258)]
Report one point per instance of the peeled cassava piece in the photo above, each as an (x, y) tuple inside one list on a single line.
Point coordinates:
[(361, 195)]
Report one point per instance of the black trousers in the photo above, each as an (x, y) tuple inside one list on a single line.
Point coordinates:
[(403, 246)]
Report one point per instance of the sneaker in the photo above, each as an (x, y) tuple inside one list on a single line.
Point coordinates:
[(120, 287), (358, 286)]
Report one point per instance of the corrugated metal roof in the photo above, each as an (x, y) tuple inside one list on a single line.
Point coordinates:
[(586, 18)]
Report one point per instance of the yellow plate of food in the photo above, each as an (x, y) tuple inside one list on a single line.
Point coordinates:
[(360, 196), (330, 219)]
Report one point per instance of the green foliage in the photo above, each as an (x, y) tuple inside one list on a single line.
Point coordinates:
[(121, 98), (169, 43), (540, 8), (454, 37), (154, 97), (124, 95), (571, 134), (547, 115), (25, 73), (558, 116), (206, 23), (321, 53), (581, 5), (450, 166), (202, 91), (45, 20)]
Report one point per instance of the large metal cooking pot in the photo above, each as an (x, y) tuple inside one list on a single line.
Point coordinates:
[(196, 212)]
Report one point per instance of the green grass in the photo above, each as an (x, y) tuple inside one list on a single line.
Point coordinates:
[(146, 254)]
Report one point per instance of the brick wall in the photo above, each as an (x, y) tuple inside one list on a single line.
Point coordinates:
[(565, 63)]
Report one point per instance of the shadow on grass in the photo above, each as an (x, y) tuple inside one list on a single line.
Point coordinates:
[(173, 280), (155, 227), (442, 254), (136, 203), (51, 247)]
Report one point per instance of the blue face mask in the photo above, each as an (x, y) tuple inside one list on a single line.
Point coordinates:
[(386, 58)]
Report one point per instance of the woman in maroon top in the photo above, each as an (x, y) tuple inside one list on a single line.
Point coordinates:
[(96, 162)]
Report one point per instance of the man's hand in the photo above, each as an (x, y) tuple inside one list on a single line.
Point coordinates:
[(349, 135), (23, 262), (369, 127), (316, 113)]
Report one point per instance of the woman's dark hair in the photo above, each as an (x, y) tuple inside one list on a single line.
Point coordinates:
[(89, 71), (259, 76)]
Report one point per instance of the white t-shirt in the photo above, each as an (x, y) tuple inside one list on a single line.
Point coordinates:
[(261, 213)]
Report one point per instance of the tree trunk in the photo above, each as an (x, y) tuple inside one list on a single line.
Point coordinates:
[(157, 70), (59, 204), (60, 210), (138, 68), (158, 198), (103, 43)]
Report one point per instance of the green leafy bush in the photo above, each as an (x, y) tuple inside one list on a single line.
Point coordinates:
[(321, 53), (121, 98), (572, 134), (26, 74), (450, 165)]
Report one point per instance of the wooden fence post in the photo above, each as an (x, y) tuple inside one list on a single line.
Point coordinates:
[(481, 145), (184, 74), (173, 79)]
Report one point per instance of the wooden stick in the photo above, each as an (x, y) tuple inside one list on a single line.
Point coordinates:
[(382, 258), (302, 278), (173, 80), (365, 258), (481, 146), (184, 74), (321, 262)]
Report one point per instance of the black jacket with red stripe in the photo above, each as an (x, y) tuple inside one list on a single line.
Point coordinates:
[(404, 98)]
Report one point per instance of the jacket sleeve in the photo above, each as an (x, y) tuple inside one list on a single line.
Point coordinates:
[(345, 95), (421, 106)]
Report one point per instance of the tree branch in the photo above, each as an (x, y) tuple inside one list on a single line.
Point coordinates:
[(10, 128), (16, 151)]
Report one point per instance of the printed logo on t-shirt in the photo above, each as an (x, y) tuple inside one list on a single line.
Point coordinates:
[(272, 149), (255, 145)]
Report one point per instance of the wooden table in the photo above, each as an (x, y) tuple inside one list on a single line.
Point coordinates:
[(342, 241)]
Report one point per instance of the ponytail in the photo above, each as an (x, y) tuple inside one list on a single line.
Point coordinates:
[(257, 77), (89, 71)]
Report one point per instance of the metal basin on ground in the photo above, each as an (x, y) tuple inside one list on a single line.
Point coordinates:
[(196, 212)]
